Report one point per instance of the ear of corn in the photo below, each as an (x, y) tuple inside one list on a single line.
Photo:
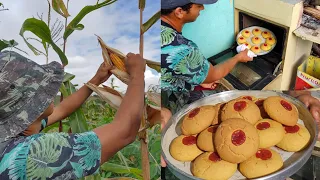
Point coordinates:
[(117, 62), (113, 98)]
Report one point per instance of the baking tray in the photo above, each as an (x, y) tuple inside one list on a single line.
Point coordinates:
[(291, 165), (263, 40)]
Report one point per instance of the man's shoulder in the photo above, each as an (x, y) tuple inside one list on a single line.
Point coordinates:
[(171, 37)]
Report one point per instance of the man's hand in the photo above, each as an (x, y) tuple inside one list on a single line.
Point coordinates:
[(312, 104), (102, 74), (243, 57), (135, 65), (209, 85)]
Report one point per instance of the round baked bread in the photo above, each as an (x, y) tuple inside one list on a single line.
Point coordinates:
[(205, 139), (246, 33), (236, 140), (255, 49), (218, 109), (281, 110), (265, 47), (256, 31), (270, 132), (271, 41), (210, 166), (295, 138), (259, 103), (256, 40), (248, 45), (243, 109), (251, 98), (184, 148), (198, 119), (241, 40), (264, 162), (266, 34)]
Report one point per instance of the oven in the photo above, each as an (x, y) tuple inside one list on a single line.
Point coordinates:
[(277, 69)]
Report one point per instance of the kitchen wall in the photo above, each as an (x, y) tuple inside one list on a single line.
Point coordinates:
[(213, 31)]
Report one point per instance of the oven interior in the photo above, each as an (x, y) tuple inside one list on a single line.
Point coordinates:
[(258, 73)]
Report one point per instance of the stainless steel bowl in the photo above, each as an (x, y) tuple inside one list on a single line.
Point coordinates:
[(291, 165)]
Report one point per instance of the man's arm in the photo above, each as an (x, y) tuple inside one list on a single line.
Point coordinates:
[(124, 128), (220, 70), (75, 100)]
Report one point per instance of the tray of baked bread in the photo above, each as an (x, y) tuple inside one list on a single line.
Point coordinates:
[(259, 40), (239, 135)]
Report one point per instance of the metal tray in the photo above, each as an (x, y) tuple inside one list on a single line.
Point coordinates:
[(291, 165), (263, 40)]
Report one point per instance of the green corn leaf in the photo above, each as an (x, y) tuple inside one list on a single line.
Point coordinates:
[(40, 29), (142, 4), (151, 21), (60, 8), (86, 10), (77, 120), (3, 45), (115, 168), (79, 27), (68, 77)]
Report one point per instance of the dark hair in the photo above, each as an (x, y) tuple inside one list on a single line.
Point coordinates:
[(186, 7)]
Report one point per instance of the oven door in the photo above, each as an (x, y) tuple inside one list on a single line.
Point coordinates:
[(253, 75)]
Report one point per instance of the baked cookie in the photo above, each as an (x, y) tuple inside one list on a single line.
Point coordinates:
[(205, 139), (266, 34), (265, 47), (184, 148), (270, 132), (255, 49), (218, 109), (264, 162), (198, 119), (251, 98), (256, 40), (246, 33), (210, 166), (256, 31), (242, 109), (236, 140), (295, 139), (241, 40), (271, 41), (259, 103), (281, 110), (248, 45)]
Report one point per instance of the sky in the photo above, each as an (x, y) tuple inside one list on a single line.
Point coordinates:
[(117, 24)]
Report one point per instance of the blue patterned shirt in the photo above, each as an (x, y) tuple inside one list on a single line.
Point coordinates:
[(183, 67)]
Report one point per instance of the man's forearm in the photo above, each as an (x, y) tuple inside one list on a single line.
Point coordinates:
[(219, 71), (130, 112), (70, 104)]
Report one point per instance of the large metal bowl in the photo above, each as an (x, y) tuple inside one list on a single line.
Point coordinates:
[(291, 165)]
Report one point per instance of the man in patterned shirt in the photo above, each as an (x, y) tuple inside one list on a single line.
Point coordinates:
[(183, 66)]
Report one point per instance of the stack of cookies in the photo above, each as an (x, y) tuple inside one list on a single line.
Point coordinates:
[(220, 139)]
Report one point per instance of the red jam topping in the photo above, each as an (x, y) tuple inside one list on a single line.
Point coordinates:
[(270, 38), (241, 38), (257, 30), (256, 48), (260, 102), (247, 31), (256, 38), (213, 129), (194, 112), (264, 154), (291, 129), (238, 106), (189, 140), (286, 105), (265, 44), (266, 32), (214, 157), (238, 137), (263, 125), (247, 97)]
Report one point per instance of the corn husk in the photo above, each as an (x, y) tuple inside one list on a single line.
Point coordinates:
[(154, 100), (111, 96)]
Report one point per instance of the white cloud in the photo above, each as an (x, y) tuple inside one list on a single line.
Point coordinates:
[(117, 24)]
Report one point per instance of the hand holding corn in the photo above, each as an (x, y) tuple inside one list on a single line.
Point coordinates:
[(135, 65), (102, 74)]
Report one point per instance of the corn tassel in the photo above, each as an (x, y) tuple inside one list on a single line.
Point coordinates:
[(117, 62)]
